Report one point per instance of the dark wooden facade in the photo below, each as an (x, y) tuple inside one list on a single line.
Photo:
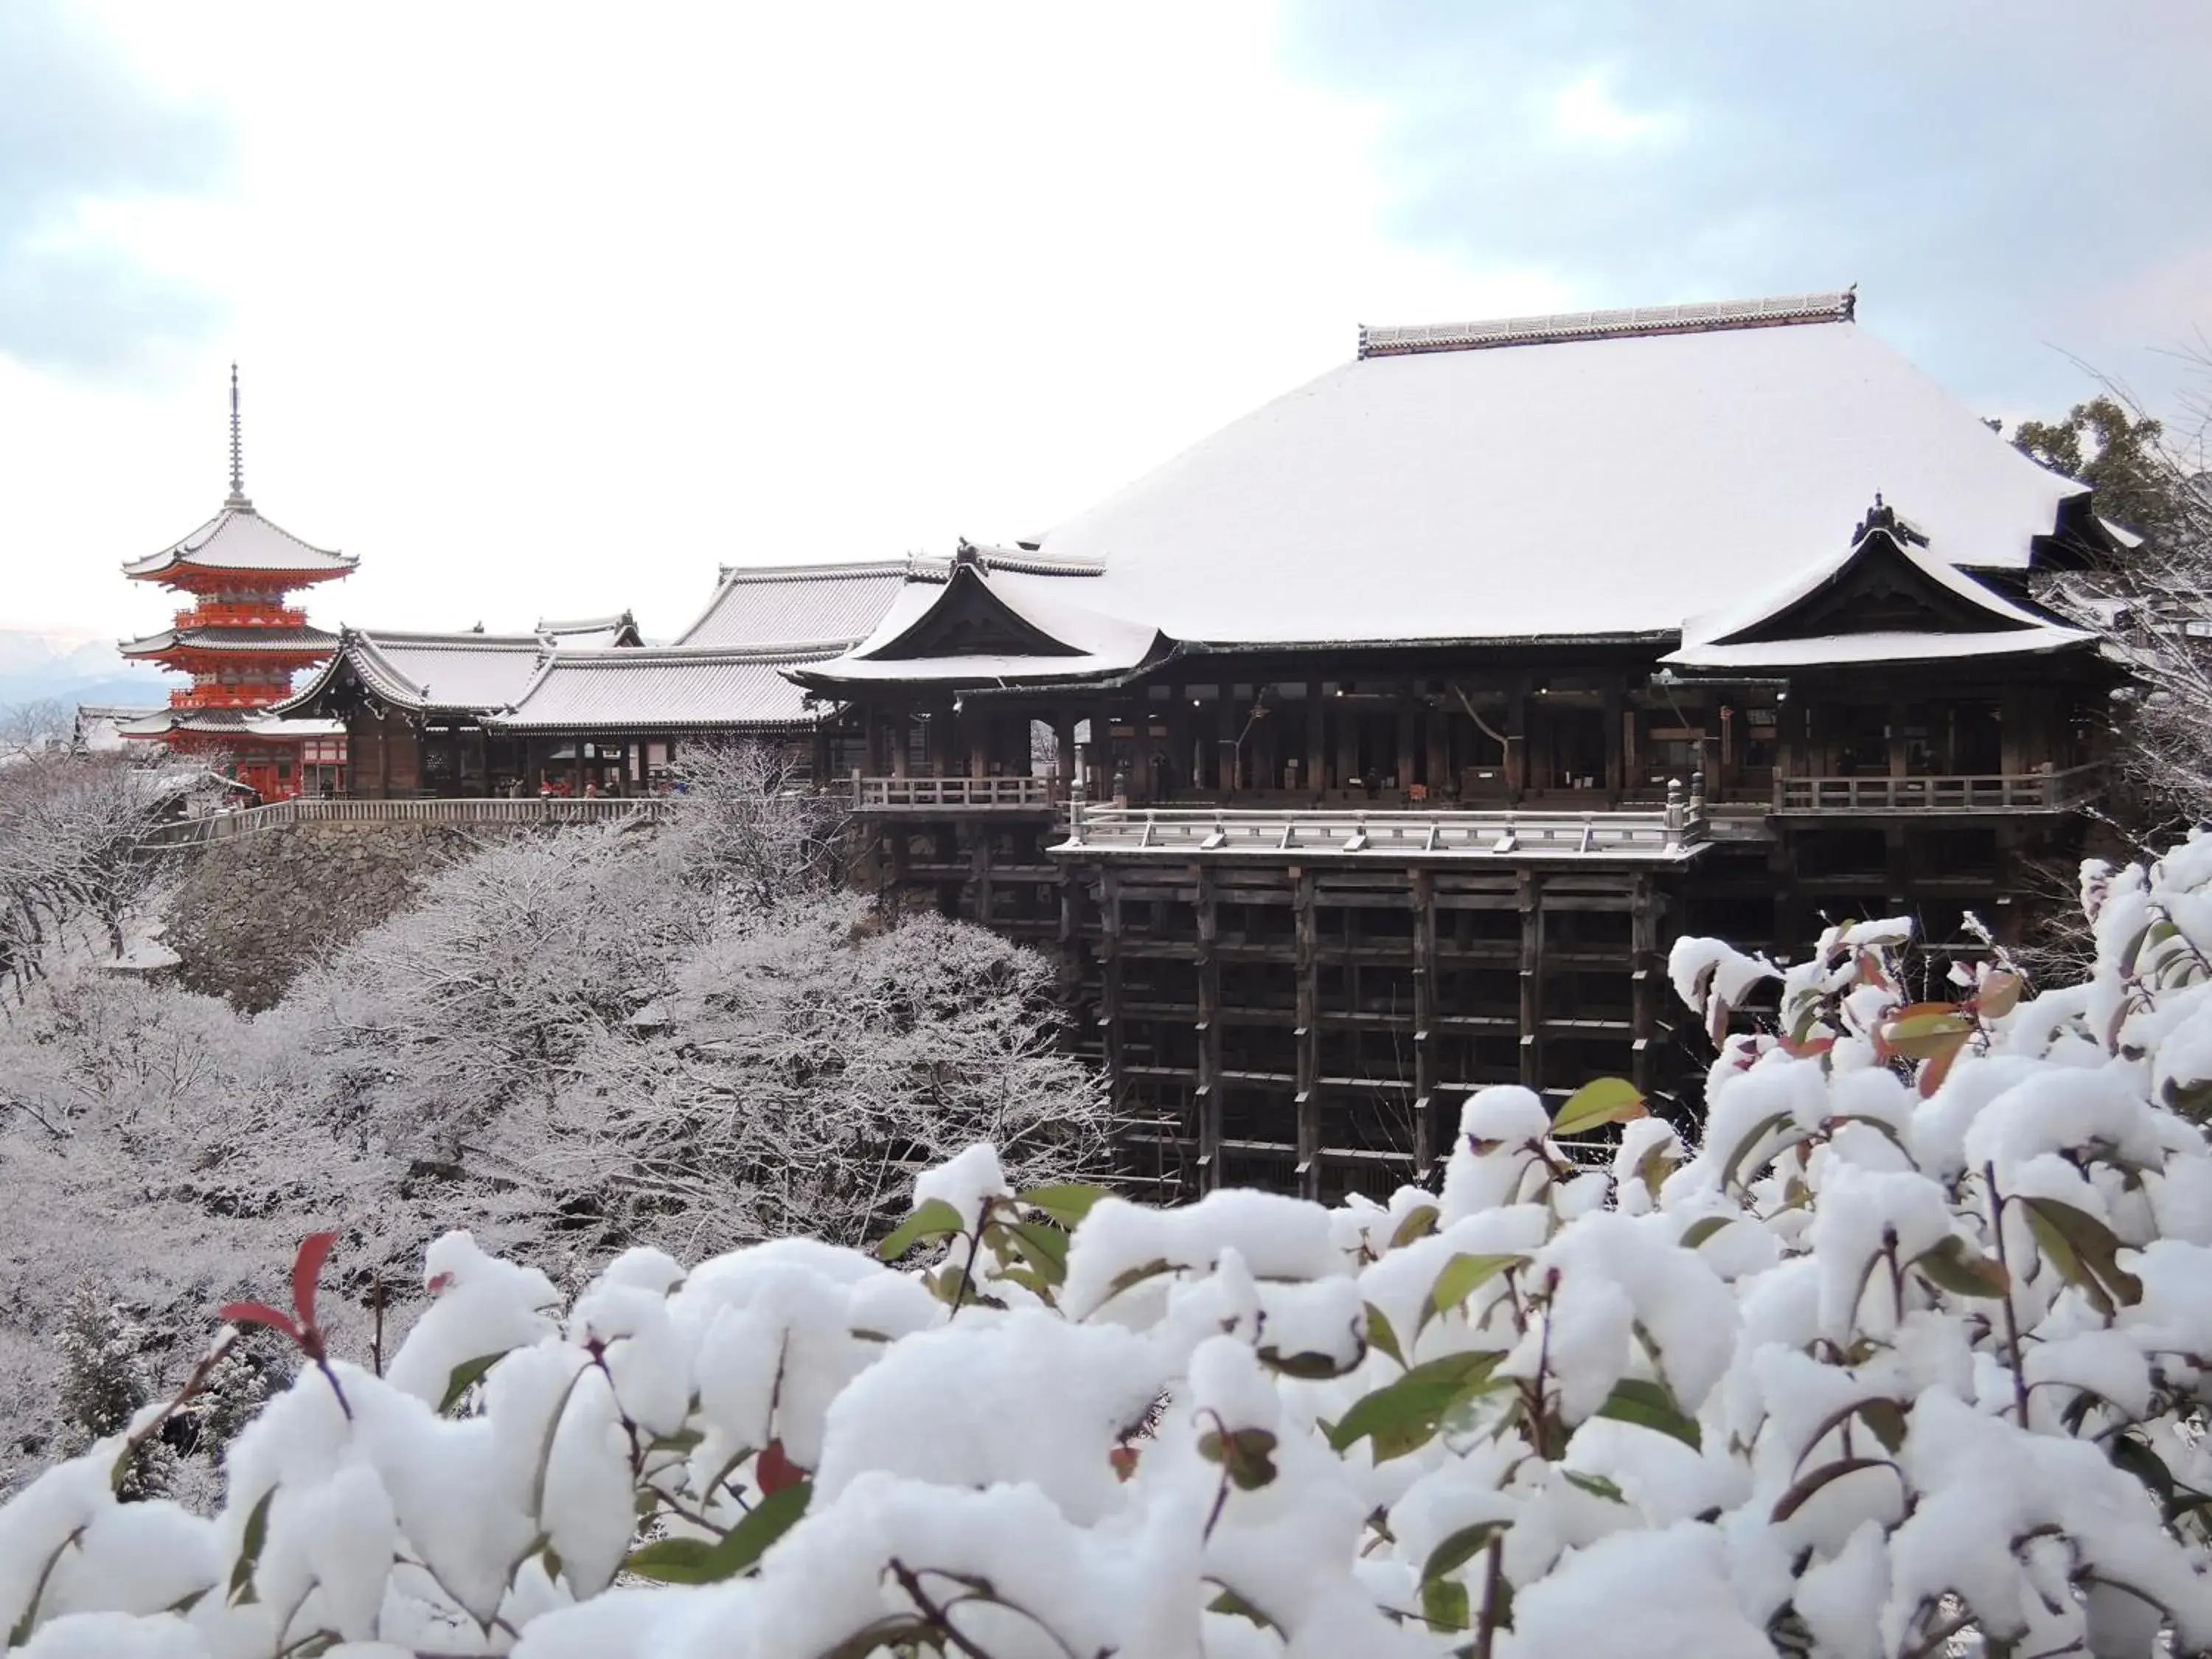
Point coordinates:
[(1307, 1018)]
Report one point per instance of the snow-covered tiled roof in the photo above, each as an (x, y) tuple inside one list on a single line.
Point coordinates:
[(462, 672), (1844, 650), (1070, 641), (286, 642), (591, 633), (1404, 340), (240, 539), (660, 688), (1598, 481), (768, 605)]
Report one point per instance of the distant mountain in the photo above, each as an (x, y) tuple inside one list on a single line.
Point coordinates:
[(36, 666)]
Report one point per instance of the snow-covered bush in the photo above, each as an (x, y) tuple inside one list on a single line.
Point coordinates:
[(1911, 1347)]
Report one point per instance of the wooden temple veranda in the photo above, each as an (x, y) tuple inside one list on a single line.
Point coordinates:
[(1377, 749)]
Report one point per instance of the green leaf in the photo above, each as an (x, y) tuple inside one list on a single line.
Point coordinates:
[(1601, 1101), (1067, 1203), (1702, 1229), (2084, 1251), (1444, 1604), (1951, 1265), (934, 1219), (683, 1441), (1380, 1335), (1043, 1247), (1406, 1411), (1463, 1275), (1421, 1221), (1247, 1454), (249, 1549), (464, 1376), (1310, 1364), (1132, 1276), (1881, 1414), (1231, 1602), (23, 1627), (710, 1560), (1798, 1495), (1764, 1127), (1460, 1548), (1928, 1036), (2145, 1465), (1648, 1405), (1596, 1484)]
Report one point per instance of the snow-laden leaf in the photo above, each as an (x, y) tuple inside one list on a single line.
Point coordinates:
[(933, 1218), (2085, 1252), (1461, 1277), (1801, 1490), (1067, 1203), (464, 1376), (708, 1561), (1598, 1102), (1648, 1405), (1405, 1413), (1418, 1222)]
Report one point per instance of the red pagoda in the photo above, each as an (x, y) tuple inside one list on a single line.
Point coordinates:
[(241, 642)]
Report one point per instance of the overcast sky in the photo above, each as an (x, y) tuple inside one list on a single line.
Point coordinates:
[(548, 310)]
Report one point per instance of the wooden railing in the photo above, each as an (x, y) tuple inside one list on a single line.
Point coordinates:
[(223, 826), (2028, 792), (1671, 832), (956, 794)]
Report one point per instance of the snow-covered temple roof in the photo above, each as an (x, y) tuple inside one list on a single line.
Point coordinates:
[(659, 690), (769, 604), (466, 672), (593, 633), (1603, 475), (239, 540), (249, 641)]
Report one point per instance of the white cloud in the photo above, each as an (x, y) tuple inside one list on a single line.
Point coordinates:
[(546, 309), (1585, 110)]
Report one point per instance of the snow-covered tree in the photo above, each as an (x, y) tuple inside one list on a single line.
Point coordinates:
[(1910, 1351), (72, 852)]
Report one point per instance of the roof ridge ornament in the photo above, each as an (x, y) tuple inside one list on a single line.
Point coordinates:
[(1559, 328), (236, 501), (1883, 517)]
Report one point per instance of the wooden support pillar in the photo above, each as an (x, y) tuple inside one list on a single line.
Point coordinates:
[(1347, 744), (1316, 766), (1516, 739), (1423, 899), (1647, 984), (1531, 901), (1209, 1031), (1895, 717), (1617, 774), (1406, 739), (1109, 986), (1307, 1033), (979, 872), (1439, 733)]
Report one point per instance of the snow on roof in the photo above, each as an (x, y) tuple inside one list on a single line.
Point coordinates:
[(287, 642), (1608, 325), (1841, 650), (653, 689), (240, 539), (464, 672), (229, 722), (771, 604), (1592, 481), (1090, 643), (1727, 620), (593, 633)]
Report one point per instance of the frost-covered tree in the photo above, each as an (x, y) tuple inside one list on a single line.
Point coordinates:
[(2152, 604), (72, 854), (103, 1386)]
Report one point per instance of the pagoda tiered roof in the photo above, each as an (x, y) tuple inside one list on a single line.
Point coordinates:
[(246, 641), (239, 541)]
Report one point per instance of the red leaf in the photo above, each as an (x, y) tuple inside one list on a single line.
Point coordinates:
[(306, 1268), (1124, 1459), (775, 1471), (1806, 1049), (256, 1313)]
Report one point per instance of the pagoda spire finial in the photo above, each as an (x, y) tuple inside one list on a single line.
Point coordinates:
[(236, 500)]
